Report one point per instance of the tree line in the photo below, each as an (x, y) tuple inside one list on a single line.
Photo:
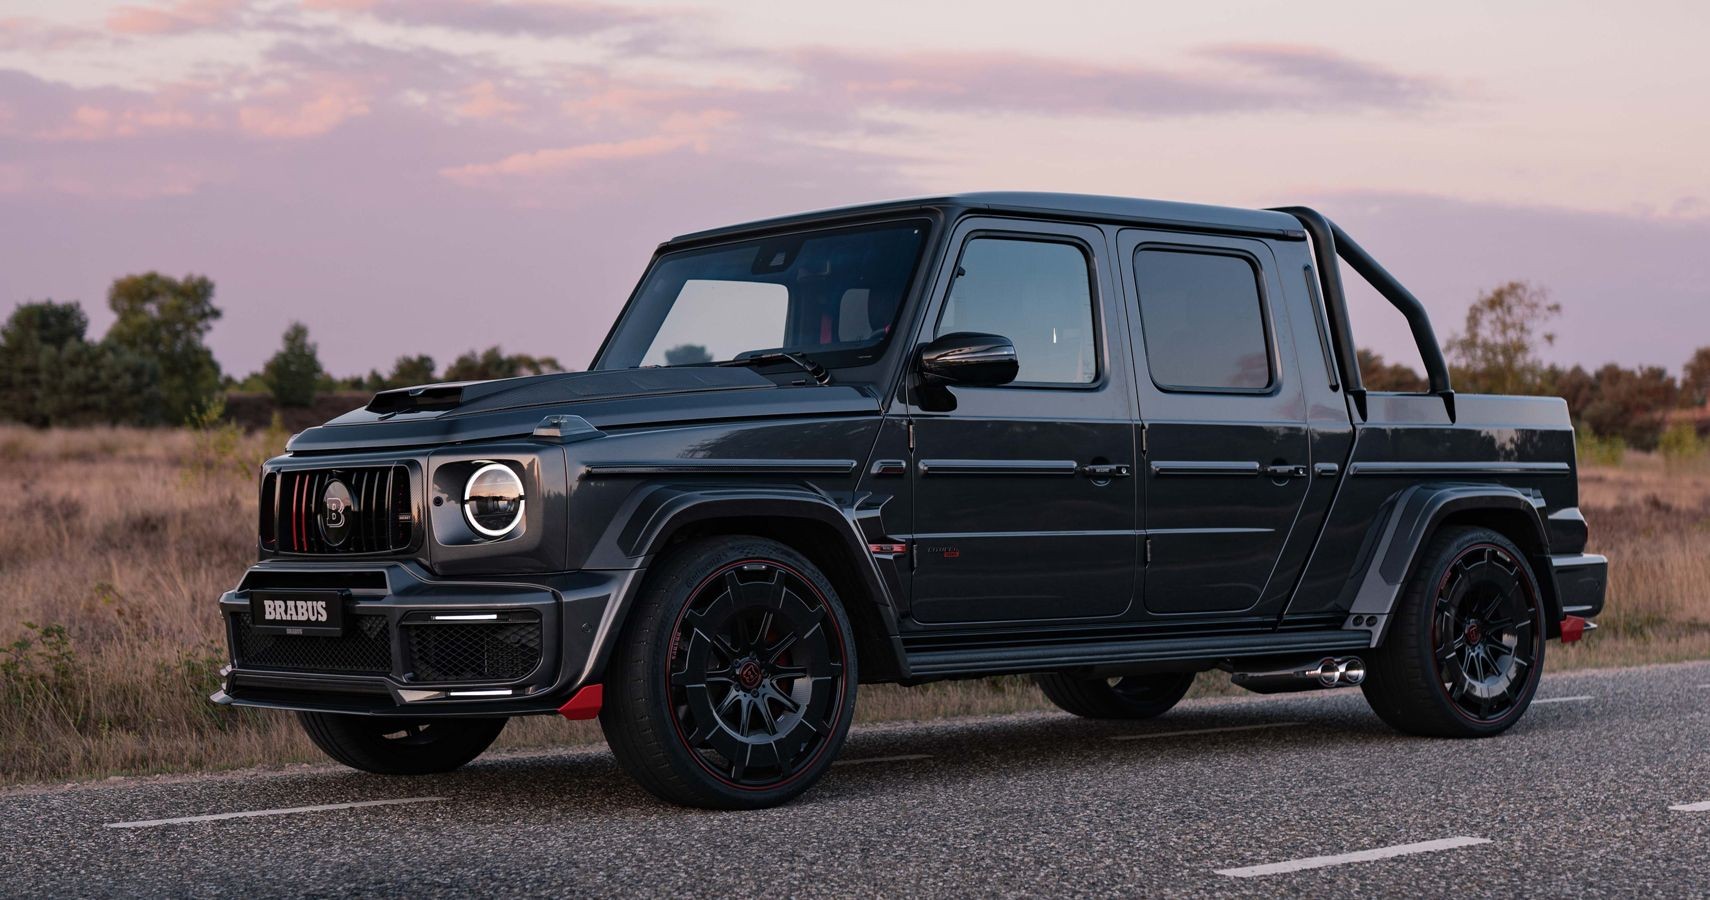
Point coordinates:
[(153, 366), (1498, 351)]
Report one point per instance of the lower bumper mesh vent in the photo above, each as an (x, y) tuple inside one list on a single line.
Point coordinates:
[(365, 647), (463, 651)]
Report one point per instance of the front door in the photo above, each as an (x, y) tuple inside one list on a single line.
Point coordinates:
[(1227, 449), (1009, 525)]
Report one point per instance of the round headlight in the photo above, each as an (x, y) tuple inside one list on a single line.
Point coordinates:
[(493, 500)]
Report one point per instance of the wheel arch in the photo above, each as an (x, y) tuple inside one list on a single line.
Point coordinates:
[(662, 517), (1423, 511)]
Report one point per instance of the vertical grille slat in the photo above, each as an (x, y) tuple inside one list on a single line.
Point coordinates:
[(402, 521), (299, 513), (374, 514), (360, 535), (380, 495), (386, 523)]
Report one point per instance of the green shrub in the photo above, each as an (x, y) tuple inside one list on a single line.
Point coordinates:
[(1599, 451), (1681, 445)]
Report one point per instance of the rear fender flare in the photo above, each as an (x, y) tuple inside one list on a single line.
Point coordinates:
[(1415, 516)]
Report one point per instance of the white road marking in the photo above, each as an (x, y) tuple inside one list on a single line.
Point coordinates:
[(249, 814), (1563, 699), (1340, 859), (1185, 732), (901, 757), (1692, 807)]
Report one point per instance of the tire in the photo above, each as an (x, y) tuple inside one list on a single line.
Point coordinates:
[(1128, 697), (1465, 650), (733, 683), (387, 746)]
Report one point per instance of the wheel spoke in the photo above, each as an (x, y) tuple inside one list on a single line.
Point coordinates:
[(766, 718), (777, 649), (789, 703)]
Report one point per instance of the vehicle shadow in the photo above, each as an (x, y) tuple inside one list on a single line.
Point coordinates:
[(881, 760)]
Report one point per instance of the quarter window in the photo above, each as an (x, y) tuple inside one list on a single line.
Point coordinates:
[(1203, 320), (1036, 293)]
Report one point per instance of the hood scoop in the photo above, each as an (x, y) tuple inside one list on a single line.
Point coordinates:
[(467, 397), (428, 398)]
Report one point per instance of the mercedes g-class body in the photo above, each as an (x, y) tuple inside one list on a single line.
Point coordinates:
[(1109, 443)]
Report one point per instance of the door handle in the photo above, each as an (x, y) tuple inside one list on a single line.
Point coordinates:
[(1106, 470), (1283, 471)]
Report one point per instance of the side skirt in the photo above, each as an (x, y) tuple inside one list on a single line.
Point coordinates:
[(967, 661)]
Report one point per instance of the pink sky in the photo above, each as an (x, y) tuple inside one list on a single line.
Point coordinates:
[(431, 175)]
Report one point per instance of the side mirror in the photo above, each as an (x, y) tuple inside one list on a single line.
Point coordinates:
[(966, 358)]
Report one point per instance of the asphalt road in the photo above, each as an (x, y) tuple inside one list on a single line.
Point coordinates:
[(1221, 797)]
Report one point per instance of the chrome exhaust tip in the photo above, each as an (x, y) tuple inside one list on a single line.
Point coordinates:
[(1310, 674)]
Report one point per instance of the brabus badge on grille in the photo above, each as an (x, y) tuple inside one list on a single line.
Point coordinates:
[(337, 505)]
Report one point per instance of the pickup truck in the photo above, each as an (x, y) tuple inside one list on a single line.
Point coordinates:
[(1107, 443)]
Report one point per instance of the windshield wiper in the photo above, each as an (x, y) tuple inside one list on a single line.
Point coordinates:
[(815, 370)]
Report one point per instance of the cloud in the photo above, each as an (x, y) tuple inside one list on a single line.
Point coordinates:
[(303, 112), (1328, 75), (94, 123), (482, 100), (176, 18), (541, 18), (684, 132), (987, 82), (27, 34)]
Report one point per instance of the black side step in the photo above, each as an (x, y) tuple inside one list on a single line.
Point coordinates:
[(1005, 660)]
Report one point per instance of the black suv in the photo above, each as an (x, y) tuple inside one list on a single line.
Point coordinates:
[(1107, 442)]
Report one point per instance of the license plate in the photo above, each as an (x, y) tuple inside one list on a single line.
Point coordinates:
[(297, 612)]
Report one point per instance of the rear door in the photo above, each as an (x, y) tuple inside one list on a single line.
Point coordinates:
[(1227, 446), (1008, 525)]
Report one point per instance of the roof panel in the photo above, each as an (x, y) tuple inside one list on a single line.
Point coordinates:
[(1088, 205)]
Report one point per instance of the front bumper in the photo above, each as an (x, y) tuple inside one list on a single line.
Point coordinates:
[(1581, 580), (416, 646)]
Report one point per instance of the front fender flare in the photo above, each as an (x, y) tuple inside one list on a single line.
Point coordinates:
[(653, 514)]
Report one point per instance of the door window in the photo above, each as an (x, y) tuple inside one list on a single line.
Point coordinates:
[(1203, 321), (1036, 293)]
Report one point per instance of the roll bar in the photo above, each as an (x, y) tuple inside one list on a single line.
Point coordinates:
[(1330, 243)]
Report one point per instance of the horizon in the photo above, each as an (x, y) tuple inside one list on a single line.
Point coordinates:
[(356, 163)]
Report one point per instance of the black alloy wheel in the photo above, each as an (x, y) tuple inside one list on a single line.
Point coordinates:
[(754, 673), (1464, 651), (733, 685), (1486, 632)]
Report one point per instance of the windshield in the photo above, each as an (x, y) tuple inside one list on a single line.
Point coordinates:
[(832, 295)]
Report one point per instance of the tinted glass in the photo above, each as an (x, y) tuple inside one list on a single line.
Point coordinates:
[(1203, 321), (1036, 293), (832, 294)]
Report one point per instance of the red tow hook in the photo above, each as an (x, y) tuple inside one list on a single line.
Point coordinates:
[(1574, 628), (586, 703)]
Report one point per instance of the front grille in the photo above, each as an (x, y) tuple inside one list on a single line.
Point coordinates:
[(494, 651), (377, 518), (365, 647)]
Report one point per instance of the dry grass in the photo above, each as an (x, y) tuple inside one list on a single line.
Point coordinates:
[(114, 544)]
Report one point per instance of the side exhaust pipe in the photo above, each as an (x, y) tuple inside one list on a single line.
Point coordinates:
[(1326, 672)]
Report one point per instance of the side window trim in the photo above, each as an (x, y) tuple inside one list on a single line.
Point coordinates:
[(1095, 295), (1265, 313)]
